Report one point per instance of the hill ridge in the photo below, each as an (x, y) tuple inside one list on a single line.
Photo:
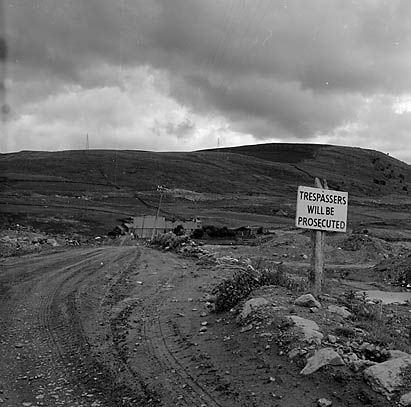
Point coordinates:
[(252, 180)]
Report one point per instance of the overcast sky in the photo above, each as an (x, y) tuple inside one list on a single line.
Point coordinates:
[(187, 74)]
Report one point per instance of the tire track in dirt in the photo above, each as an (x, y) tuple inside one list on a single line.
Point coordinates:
[(157, 334), (91, 309), (63, 292), (199, 378), (150, 363), (33, 281), (62, 319), (162, 340), (14, 271), (63, 337), (164, 358)]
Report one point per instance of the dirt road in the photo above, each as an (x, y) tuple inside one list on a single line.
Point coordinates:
[(65, 322), (128, 326)]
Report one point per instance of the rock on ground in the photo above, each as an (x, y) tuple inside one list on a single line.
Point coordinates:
[(322, 357), (386, 377), (251, 305), (397, 354), (341, 311), (405, 400), (308, 328), (307, 300), (324, 403)]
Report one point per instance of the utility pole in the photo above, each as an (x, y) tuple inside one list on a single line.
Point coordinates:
[(115, 169), (161, 189), (87, 143)]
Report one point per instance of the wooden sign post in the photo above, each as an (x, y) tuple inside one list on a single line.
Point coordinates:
[(317, 255), (320, 210)]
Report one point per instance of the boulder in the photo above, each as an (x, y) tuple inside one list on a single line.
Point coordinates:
[(307, 300), (332, 338), (322, 357), (251, 305), (293, 353), (405, 399), (307, 328), (324, 403), (341, 311), (351, 358), (52, 242), (394, 354), (386, 377)]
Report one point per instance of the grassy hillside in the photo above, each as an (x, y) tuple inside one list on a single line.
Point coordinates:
[(90, 191), (359, 171)]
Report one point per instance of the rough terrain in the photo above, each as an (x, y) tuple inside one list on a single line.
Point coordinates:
[(131, 325), (86, 320)]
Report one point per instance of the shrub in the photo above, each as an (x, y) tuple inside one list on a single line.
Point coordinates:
[(169, 240), (234, 289), (179, 230), (273, 277), (231, 291), (197, 234), (217, 232)]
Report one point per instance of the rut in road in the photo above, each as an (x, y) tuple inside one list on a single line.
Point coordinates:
[(106, 376), (63, 308), (159, 335), (82, 303), (32, 282), (156, 364)]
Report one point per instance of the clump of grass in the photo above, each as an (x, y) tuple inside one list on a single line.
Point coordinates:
[(345, 331), (377, 325), (378, 333), (276, 274), (234, 289), (357, 304), (169, 240), (273, 277)]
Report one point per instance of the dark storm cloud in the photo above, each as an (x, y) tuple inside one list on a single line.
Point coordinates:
[(297, 65), (3, 48), (350, 46), (274, 69), (59, 37), (4, 107), (346, 43), (296, 111)]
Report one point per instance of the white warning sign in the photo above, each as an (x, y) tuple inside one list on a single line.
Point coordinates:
[(321, 209)]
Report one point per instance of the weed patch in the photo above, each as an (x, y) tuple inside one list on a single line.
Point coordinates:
[(234, 289)]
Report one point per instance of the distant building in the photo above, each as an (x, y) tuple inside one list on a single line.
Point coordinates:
[(243, 231), (143, 226), (246, 231)]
